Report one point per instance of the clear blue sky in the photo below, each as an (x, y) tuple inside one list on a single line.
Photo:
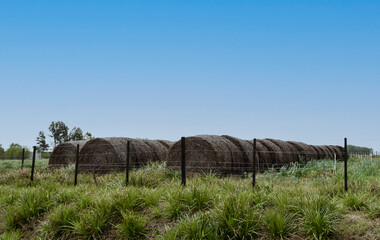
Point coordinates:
[(294, 70)]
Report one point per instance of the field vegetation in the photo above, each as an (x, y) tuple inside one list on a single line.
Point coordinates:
[(300, 202)]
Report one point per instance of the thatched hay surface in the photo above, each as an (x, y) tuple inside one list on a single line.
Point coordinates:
[(65, 153)]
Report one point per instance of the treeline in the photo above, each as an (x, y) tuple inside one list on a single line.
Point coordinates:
[(14, 152), (359, 150)]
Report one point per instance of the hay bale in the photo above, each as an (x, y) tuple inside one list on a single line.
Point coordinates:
[(65, 153), (245, 153), (339, 152), (167, 144), (319, 152), (107, 154), (306, 152), (205, 153), (330, 152), (158, 149), (274, 153), (325, 152), (289, 152), (264, 156)]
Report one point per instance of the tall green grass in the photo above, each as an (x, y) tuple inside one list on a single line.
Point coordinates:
[(302, 201)]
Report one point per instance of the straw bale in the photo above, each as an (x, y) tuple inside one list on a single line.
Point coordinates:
[(274, 152), (166, 143), (306, 152), (289, 152), (65, 153), (205, 153), (107, 154)]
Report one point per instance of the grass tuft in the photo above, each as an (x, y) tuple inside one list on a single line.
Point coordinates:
[(133, 226)]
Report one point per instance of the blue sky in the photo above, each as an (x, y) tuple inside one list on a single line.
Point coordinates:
[(293, 70)]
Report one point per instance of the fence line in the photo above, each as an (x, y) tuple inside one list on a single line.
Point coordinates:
[(255, 160)]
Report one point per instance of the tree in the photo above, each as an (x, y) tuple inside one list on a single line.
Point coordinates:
[(76, 134), (59, 132), (41, 142), (88, 136), (2, 151), (358, 149), (15, 151)]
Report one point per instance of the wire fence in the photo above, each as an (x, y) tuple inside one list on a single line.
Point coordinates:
[(192, 158)]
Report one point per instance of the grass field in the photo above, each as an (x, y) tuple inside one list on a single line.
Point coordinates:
[(295, 203)]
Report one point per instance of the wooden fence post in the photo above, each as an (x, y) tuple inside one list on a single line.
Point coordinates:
[(345, 165), (76, 166), (127, 166), (183, 161), (254, 164), (33, 164), (23, 158)]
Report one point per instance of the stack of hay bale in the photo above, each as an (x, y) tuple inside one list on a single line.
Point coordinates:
[(107, 154), (65, 153), (229, 155)]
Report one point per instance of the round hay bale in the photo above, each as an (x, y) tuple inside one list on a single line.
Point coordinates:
[(107, 154), (65, 153), (306, 152), (158, 149), (274, 153), (330, 151), (339, 150), (318, 151), (264, 156), (245, 153), (205, 153), (334, 151), (167, 144), (325, 152), (289, 152)]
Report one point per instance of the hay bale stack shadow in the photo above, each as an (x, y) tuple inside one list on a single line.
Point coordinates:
[(65, 153), (211, 153), (110, 154)]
